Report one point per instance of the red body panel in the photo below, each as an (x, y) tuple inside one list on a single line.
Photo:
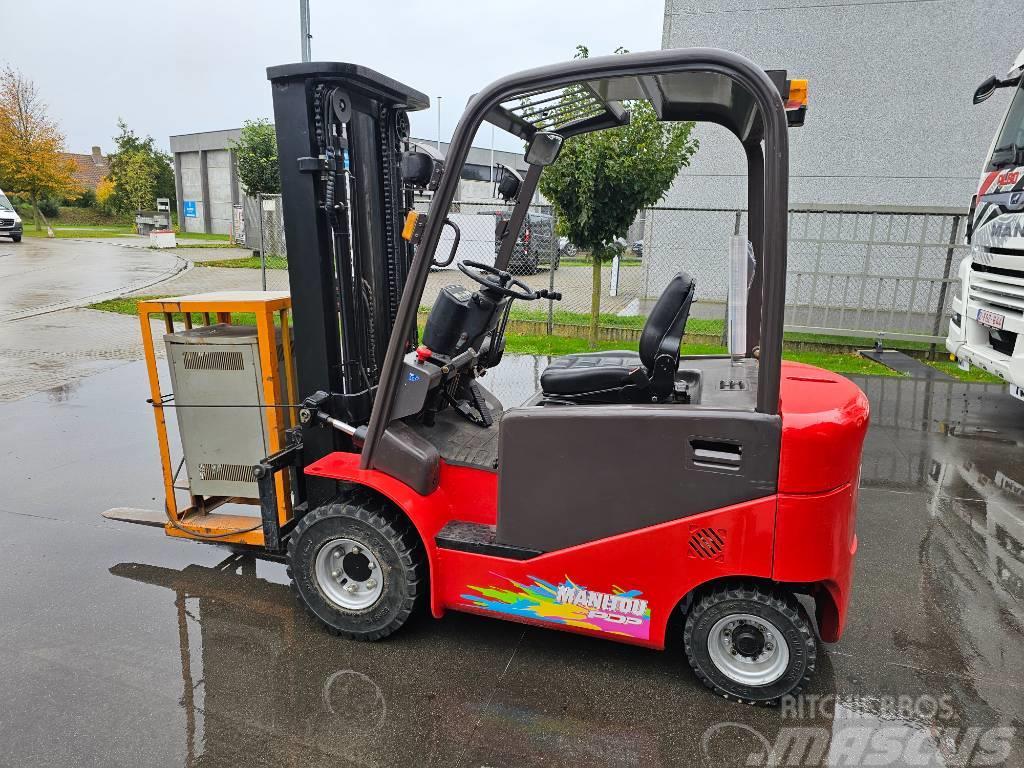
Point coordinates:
[(824, 420), (625, 587), (815, 543)]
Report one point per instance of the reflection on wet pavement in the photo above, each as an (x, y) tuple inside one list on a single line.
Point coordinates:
[(127, 648)]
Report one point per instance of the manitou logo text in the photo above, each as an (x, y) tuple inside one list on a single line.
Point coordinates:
[(617, 609)]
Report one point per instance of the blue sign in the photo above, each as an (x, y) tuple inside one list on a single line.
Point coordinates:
[(190, 208)]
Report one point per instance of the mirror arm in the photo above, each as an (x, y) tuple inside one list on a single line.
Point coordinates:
[(515, 223)]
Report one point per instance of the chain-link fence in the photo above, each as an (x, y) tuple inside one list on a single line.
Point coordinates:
[(853, 271), (264, 225), (868, 272)]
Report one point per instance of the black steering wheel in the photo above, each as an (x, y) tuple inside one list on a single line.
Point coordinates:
[(499, 280)]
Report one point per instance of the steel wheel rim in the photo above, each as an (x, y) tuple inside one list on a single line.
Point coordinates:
[(349, 574), (766, 668)]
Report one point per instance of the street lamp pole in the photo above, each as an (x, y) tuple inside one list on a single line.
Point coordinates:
[(304, 29), (438, 123)]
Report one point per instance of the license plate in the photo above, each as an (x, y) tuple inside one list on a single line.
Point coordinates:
[(990, 319), (1017, 392)]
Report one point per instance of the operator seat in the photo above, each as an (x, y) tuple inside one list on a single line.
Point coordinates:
[(610, 377)]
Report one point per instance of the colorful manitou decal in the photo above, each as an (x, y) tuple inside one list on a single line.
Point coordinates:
[(619, 613)]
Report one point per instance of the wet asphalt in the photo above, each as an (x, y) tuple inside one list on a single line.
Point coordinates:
[(39, 275), (122, 647)]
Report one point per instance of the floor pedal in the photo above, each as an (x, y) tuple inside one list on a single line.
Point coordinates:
[(479, 539)]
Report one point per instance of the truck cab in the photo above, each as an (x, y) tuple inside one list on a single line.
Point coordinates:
[(987, 308)]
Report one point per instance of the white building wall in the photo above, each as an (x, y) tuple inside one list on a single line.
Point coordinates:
[(890, 120)]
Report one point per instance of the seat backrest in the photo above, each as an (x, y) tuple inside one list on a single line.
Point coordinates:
[(663, 331)]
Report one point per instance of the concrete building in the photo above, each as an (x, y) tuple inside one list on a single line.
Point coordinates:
[(207, 185), (206, 180), (890, 120)]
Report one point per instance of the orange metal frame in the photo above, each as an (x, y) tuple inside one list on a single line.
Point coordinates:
[(198, 520)]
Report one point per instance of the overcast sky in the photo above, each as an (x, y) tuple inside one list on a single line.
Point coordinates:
[(191, 65)]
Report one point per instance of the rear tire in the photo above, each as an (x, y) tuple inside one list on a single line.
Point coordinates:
[(358, 566), (750, 644)]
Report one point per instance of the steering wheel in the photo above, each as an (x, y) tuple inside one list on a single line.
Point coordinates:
[(498, 280)]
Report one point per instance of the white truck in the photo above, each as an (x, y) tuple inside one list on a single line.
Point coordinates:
[(987, 309)]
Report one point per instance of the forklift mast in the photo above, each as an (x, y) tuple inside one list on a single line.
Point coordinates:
[(342, 130)]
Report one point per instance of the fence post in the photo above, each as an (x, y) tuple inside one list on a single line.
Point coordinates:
[(263, 242), (556, 259), (944, 286)]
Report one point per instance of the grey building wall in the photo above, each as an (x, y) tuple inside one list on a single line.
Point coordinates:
[(205, 172), (890, 119)]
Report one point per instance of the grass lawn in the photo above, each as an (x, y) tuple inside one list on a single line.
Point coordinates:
[(129, 306), (249, 262), (576, 261), (840, 362), (72, 232), (112, 230), (975, 374), (201, 236)]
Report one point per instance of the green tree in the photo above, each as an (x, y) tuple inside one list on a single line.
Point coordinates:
[(256, 149), (136, 181), (133, 159), (602, 180), (32, 161)]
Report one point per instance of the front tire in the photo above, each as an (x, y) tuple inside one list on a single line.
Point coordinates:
[(358, 566), (750, 644), (16, 238)]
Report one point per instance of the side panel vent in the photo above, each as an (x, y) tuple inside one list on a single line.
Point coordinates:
[(233, 473), (707, 544), (214, 360)]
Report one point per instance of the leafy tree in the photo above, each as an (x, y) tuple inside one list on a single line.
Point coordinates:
[(105, 194), (133, 160), (256, 149), (136, 183), (602, 180), (32, 162)]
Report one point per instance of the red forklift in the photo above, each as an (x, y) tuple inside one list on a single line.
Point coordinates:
[(637, 492)]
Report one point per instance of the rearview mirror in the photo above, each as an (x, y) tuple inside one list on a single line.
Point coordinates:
[(544, 148), (986, 89)]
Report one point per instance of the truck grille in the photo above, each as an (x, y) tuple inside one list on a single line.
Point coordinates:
[(998, 288), (6, 222)]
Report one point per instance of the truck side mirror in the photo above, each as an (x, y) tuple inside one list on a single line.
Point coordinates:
[(986, 89)]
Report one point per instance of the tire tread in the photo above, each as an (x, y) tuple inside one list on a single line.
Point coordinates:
[(375, 512), (783, 602)]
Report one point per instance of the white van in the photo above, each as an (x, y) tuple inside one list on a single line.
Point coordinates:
[(986, 328), (10, 221)]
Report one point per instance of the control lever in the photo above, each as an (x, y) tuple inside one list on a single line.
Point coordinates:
[(544, 293)]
